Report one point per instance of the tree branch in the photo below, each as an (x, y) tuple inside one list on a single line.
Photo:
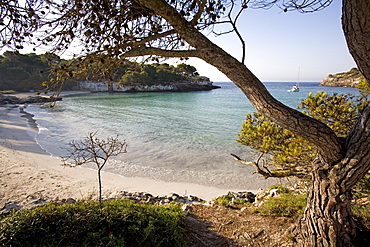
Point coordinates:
[(255, 165), (310, 129), (145, 51)]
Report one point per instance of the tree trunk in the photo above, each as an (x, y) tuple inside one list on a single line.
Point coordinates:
[(100, 187), (356, 27), (327, 220)]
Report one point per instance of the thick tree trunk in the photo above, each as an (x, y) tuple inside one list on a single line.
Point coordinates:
[(356, 27), (327, 220)]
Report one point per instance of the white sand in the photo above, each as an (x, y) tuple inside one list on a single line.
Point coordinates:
[(27, 171)]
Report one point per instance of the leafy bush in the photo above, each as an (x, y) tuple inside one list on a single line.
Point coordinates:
[(362, 188), (224, 200), (281, 188), (362, 214), (287, 205), (117, 223)]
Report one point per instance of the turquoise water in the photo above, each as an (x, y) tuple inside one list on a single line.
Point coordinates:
[(183, 137)]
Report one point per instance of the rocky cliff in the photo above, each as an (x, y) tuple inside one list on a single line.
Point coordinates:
[(198, 83), (344, 79)]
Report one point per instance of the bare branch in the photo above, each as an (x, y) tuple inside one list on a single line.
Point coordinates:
[(93, 150)]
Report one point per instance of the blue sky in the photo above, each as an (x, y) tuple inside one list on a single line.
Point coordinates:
[(279, 43)]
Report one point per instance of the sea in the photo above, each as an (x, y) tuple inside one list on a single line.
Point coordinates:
[(171, 136)]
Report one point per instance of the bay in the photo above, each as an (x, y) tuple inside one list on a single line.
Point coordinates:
[(179, 137)]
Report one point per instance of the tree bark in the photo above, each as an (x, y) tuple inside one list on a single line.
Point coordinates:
[(356, 27), (327, 220)]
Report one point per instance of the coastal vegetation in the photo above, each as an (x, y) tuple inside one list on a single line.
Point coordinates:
[(161, 29), (289, 154), (25, 72), (350, 78), (87, 223)]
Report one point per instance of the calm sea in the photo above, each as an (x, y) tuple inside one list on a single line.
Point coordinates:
[(182, 137)]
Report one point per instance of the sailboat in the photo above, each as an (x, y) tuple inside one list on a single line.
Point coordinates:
[(295, 88)]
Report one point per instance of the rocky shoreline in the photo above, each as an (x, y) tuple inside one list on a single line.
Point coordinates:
[(344, 79), (144, 197), (9, 99), (199, 83)]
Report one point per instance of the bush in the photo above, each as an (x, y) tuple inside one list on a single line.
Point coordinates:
[(362, 215), (362, 188), (287, 205), (117, 223), (281, 188), (224, 200)]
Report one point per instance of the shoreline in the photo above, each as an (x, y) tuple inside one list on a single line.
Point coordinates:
[(28, 171)]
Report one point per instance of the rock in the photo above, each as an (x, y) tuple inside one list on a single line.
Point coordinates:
[(9, 206), (345, 79), (194, 84), (244, 195), (243, 209), (7, 99)]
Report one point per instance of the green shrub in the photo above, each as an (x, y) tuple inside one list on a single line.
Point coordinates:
[(240, 201), (287, 205), (117, 223), (224, 200), (362, 188), (281, 188), (362, 214)]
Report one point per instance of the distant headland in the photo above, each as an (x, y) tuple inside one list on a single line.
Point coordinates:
[(344, 79), (195, 83), (45, 72)]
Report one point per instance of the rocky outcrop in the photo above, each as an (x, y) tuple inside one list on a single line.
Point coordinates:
[(6, 99), (345, 79), (195, 84)]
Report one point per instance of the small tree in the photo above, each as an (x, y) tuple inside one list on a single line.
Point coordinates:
[(94, 150)]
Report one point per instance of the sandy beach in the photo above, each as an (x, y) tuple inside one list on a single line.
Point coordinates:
[(28, 172)]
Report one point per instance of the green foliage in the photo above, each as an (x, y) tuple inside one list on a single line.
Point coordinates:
[(117, 223), (364, 88), (281, 188), (287, 205), (24, 72), (362, 188), (339, 112), (240, 201), (292, 155), (361, 214), (151, 74), (224, 200)]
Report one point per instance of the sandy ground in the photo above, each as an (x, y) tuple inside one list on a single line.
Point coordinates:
[(28, 172)]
